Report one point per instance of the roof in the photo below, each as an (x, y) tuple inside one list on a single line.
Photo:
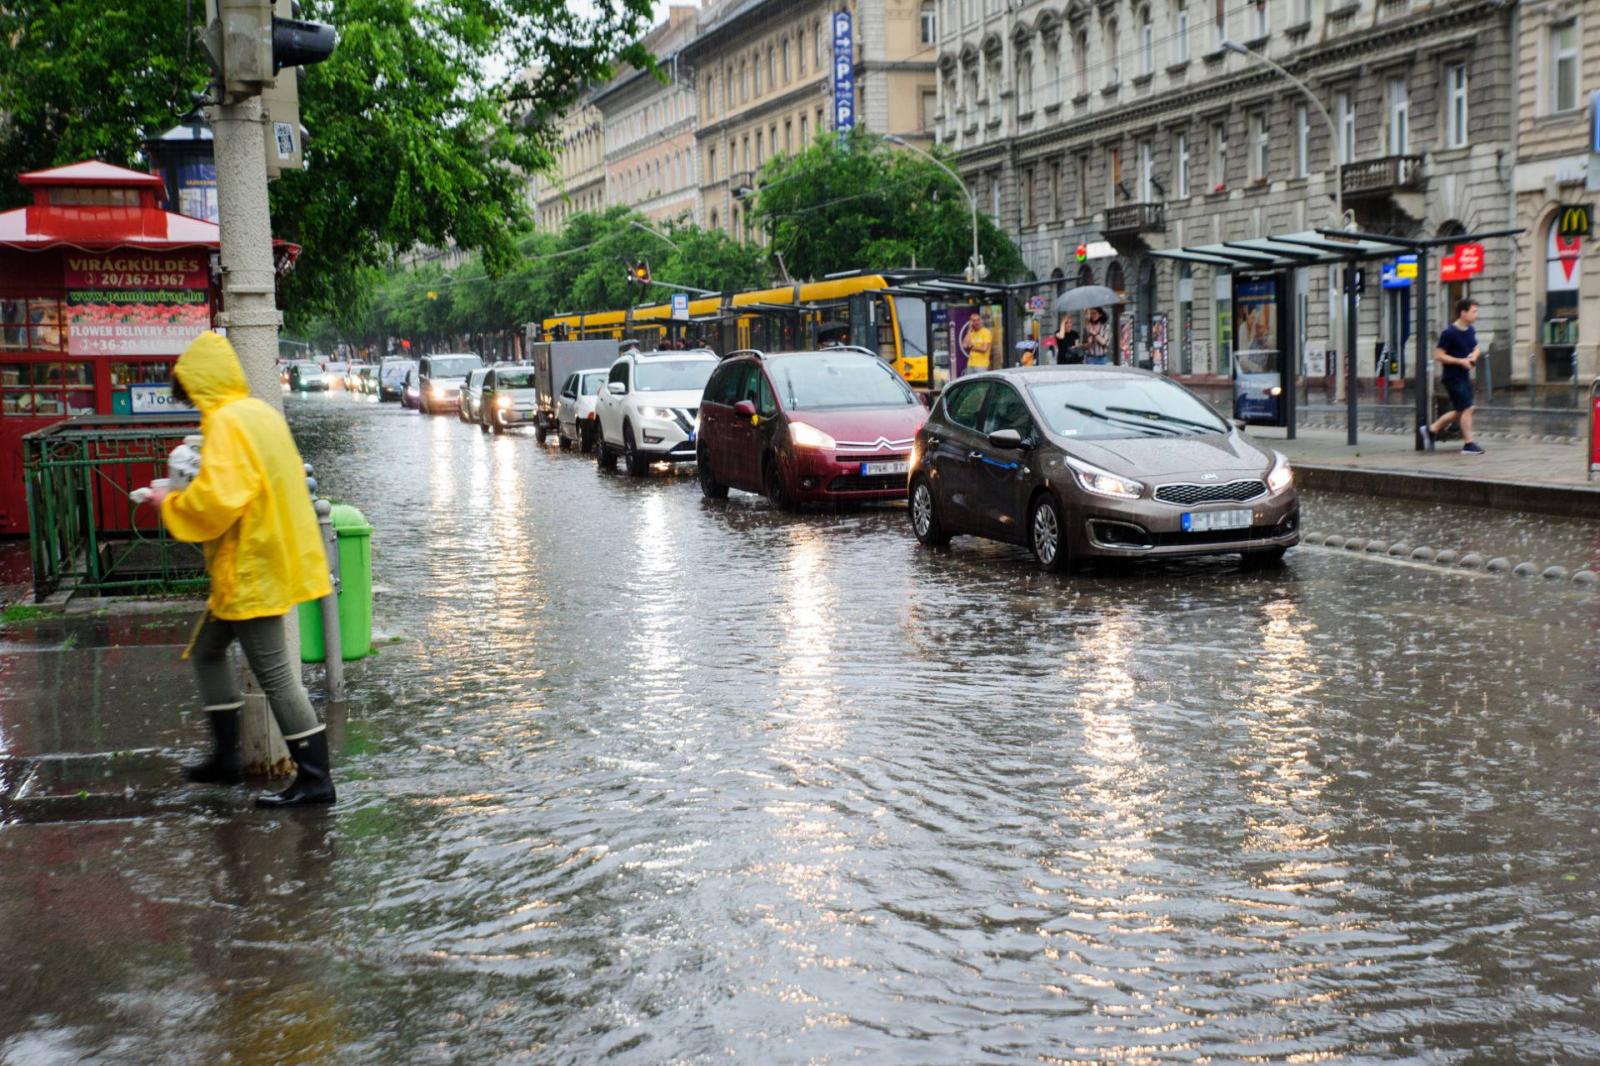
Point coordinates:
[(1311, 247), (91, 172), (99, 229)]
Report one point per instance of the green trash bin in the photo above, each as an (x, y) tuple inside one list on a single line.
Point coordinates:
[(354, 538)]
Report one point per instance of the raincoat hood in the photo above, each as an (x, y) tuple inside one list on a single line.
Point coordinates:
[(210, 373)]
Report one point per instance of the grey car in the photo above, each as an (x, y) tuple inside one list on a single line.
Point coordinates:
[(1078, 462)]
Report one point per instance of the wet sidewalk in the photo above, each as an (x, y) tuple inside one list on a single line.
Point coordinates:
[(92, 711), (1544, 476)]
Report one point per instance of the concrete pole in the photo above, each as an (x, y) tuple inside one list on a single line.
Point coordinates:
[(251, 319)]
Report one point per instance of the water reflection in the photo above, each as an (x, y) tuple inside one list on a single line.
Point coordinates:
[(655, 780)]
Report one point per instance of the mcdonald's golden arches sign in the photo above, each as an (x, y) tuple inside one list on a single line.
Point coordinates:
[(1575, 220)]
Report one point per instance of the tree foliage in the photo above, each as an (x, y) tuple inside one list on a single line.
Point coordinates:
[(860, 203), (581, 269), (413, 142)]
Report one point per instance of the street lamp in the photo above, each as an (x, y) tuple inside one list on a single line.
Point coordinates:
[(1333, 133), (976, 271)]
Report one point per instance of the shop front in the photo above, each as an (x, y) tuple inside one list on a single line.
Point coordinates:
[(100, 291)]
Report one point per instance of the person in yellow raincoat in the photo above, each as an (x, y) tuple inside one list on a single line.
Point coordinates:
[(250, 507)]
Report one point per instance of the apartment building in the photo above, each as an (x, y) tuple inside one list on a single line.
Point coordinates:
[(763, 79), (1137, 122), (580, 183), (1557, 337), (648, 128)]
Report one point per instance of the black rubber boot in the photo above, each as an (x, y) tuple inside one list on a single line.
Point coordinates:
[(223, 767), (313, 784)]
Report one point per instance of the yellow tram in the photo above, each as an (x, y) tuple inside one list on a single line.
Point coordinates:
[(854, 308)]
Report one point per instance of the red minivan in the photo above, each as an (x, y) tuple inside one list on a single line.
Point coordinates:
[(802, 427)]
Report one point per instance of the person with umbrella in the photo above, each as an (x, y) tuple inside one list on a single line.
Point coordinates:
[(1092, 299)]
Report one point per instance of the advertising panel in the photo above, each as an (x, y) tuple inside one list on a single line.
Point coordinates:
[(1258, 359), (135, 303)]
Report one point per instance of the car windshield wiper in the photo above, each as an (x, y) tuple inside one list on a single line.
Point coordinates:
[(1163, 417), (1094, 413)]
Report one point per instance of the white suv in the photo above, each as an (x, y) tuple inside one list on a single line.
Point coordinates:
[(649, 409)]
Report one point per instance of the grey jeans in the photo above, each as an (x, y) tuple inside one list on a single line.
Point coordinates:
[(266, 650)]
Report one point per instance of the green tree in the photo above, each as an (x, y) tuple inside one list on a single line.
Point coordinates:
[(412, 141), (581, 269), (859, 203)]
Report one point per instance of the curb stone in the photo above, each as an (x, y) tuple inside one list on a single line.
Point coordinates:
[(1450, 557)]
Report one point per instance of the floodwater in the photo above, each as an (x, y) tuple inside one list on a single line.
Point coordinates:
[(646, 779)]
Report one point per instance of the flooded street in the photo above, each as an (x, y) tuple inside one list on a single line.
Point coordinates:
[(646, 779)]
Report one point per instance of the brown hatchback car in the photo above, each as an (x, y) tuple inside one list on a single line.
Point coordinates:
[(1086, 461)]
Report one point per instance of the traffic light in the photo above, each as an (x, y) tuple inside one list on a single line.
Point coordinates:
[(639, 273), (249, 41)]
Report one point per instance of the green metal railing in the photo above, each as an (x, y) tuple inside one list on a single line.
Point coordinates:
[(84, 533)]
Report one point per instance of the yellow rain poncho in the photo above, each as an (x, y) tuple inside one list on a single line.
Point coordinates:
[(250, 506)]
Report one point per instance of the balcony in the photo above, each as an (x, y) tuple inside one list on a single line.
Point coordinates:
[(1382, 177), (1133, 219)]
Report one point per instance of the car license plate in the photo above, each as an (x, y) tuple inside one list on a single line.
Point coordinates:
[(1205, 521), (881, 469)]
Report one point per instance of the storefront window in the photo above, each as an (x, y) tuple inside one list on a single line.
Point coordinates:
[(32, 323), (47, 389)]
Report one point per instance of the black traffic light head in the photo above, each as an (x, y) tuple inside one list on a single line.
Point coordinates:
[(297, 43), (639, 273)]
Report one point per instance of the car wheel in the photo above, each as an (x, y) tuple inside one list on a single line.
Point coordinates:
[(585, 440), (777, 491), (1260, 560), (483, 427), (540, 433), (1047, 535), (499, 426), (709, 486), (638, 464), (925, 515), (461, 414), (563, 441), (604, 457)]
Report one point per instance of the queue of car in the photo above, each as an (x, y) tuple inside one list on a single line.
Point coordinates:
[(1071, 462)]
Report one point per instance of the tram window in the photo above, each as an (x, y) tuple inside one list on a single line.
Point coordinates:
[(885, 324), (913, 316)]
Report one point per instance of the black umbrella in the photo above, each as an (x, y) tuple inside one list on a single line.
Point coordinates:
[(1084, 297)]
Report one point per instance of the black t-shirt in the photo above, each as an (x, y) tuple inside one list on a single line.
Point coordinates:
[(1459, 343), (1068, 339)]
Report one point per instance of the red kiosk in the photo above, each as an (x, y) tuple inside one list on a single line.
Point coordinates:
[(100, 291)]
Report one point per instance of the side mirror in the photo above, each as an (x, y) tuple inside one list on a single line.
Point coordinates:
[(616, 388), (924, 399), (745, 409), (1238, 423), (1006, 438)]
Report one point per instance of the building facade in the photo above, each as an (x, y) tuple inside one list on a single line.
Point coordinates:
[(1135, 122), (648, 129), (763, 79), (1557, 338), (580, 184)]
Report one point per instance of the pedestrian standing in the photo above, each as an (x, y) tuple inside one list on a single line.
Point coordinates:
[(980, 342), (1066, 338), (250, 507), (1097, 340), (1457, 353)]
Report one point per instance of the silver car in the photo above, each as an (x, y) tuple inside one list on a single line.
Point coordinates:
[(575, 417), (508, 398)]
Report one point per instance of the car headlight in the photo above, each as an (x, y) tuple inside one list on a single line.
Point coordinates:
[(807, 436), (1281, 476), (663, 413), (502, 401), (437, 389), (1103, 482)]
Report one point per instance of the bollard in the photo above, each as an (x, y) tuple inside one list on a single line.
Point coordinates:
[(333, 649)]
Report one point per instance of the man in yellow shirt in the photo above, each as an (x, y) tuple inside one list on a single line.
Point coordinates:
[(979, 344)]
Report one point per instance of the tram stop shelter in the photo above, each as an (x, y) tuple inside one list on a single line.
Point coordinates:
[(1268, 262)]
